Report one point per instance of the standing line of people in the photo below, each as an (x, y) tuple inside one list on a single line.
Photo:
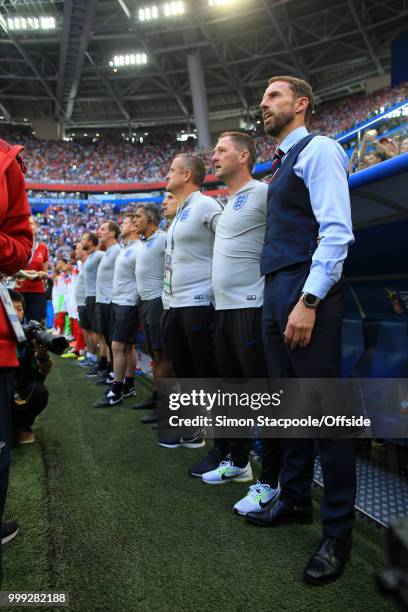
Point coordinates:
[(249, 290)]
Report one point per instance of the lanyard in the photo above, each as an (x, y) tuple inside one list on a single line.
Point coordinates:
[(178, 214)]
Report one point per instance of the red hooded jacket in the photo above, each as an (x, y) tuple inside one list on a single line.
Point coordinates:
[(16, 237)]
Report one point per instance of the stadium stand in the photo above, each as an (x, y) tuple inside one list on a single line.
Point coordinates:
[(112, 158)]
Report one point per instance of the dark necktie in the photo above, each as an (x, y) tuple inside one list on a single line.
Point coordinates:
[(276, 164)]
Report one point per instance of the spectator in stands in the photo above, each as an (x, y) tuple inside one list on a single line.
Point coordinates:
[(404, 146), (121, 160)]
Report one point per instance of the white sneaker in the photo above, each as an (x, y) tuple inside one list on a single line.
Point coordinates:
[(228, 471), (257, 498)]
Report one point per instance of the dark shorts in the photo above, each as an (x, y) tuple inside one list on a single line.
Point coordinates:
[(188, 341), (125, 323), (104, 321), (163, 323), (91, 311), (150, 316), (84, 322)]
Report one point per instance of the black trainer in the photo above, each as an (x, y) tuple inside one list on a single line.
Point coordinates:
[(210, 462), (128, 392), (93, 372), (110, 379), (196, 442), (101, 378), (9, 531), (111, 399)]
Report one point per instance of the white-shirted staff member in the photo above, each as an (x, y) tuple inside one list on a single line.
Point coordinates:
[(238, 292), (170, 206), (108, 234), (187, 277), (90, 243), (149, 278), (125, 318)]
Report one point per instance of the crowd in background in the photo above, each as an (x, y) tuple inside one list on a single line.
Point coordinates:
[(117, 158), (339, 116)]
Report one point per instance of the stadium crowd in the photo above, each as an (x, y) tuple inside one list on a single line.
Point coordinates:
[(112, 158)]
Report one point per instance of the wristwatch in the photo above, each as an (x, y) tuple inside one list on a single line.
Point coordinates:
[(310, 300)]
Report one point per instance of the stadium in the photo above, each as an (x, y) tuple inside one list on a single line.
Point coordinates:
[(202, 196)]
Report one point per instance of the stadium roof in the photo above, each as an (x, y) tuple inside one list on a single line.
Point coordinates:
[(336, 45)]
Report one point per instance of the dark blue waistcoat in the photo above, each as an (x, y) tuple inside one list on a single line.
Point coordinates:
[(291, 227)]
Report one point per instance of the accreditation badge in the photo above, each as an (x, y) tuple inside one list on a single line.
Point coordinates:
[(167, 273)]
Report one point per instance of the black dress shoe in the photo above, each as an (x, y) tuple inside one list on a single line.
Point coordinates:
[(328, 563), (152, 417), (149, 403), (280, 513)]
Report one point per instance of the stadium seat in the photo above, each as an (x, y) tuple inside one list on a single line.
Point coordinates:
[(386, 357), (352, 345)]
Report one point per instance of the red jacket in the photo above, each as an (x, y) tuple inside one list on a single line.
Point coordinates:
[(16, 237)]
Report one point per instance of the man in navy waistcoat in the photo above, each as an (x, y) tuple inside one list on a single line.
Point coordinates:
[(308, 231)]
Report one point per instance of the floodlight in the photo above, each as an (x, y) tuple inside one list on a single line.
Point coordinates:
[(19, 23), (148, 13), (173, 9), (168, 9), (130, 59)]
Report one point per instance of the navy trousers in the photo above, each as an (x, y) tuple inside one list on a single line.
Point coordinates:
[(240, 354), (321, 359), (6, 391)]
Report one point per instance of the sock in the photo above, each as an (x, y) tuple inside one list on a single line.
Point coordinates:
[(103, 362), (93, 357), (129, 382), (109, 366), (117, 387)]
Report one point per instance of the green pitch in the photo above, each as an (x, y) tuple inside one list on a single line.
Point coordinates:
[(115, 521)]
